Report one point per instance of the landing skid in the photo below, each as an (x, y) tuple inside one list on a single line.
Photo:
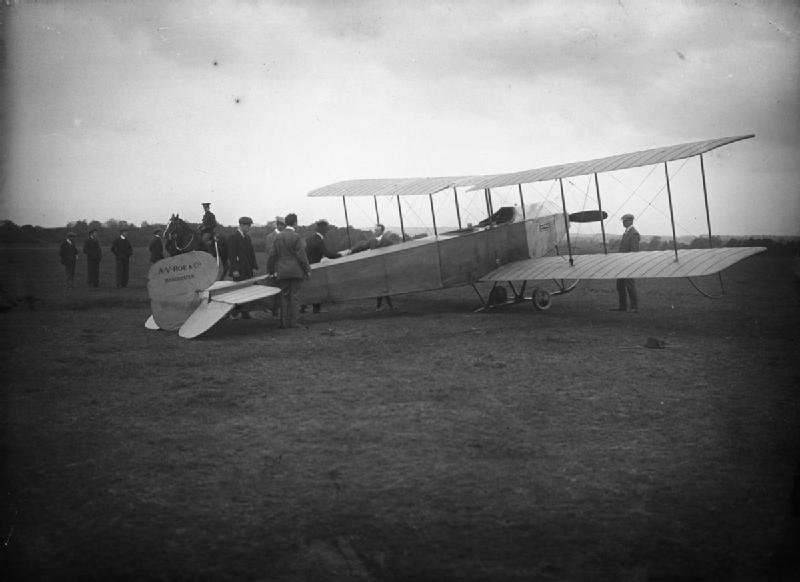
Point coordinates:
[(540, 298)]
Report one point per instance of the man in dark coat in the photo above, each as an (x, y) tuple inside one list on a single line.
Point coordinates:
[(122, 249), (241, 255), (376, 242), (69, 257), (156, 247), (626, 288), (289, 263), (91, 248), (316, 250)]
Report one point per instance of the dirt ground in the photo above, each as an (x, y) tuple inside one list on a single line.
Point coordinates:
[(426, 443)]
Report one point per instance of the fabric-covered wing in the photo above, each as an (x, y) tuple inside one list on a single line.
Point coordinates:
[(609, 164), (392, 186), (641, 265), (203, 318)]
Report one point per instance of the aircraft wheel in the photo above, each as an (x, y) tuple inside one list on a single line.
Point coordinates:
[(498, 295), (541, 299)]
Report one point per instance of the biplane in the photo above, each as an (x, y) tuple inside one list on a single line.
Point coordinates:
[(507, 250)]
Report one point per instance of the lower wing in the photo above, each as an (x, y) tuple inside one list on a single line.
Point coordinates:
[(641, 265)]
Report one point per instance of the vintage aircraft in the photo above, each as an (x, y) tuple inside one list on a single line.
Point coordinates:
[(507, 249)]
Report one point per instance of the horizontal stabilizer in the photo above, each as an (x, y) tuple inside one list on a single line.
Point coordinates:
[(245, 294), (203, 318), (223, 298), (641, 265), (588, 216)]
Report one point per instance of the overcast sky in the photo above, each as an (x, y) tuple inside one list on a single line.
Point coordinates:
[(136, 110)]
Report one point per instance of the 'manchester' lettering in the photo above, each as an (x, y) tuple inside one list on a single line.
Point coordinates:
[(172, 269)]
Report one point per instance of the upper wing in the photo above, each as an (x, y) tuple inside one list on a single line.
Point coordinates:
[(641, 265), (393, 186), (608, 164)]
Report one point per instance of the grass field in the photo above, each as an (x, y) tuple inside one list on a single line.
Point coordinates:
[(428, 443)]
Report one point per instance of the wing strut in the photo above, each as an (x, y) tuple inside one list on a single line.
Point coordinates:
[(347, 222), (671, 214), (377, 216), (566, 222), (705, 196), (433, 216), (458, 210), (402, 226), (521, 201), (600, 208), (487, 193)]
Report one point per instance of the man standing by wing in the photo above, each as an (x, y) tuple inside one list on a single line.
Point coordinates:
[(288, 261), (316, 249), (626, 288)]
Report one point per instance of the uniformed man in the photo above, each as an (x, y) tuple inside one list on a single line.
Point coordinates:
[(207, 225), (69, 257), (626, 288)]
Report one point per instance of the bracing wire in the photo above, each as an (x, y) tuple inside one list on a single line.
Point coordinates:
[(708, 295)]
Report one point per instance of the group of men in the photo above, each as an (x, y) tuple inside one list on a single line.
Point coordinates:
[(289, 258), (121, 249)]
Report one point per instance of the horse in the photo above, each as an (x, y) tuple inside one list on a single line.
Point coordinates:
[(181, 237)]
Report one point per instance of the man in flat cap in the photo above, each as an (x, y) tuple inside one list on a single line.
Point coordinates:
[(69, 257), (156, 247), (91, 248), (316, 249), (122, 249), (626, 288), (289, 263), (241, 254)]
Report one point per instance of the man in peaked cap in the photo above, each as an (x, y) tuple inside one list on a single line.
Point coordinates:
[(69, 257), (626, 288), (207, 225)]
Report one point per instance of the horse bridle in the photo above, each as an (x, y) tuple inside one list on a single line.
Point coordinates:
[(177, 245)]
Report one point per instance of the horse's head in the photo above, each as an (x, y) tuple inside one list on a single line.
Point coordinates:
[(178, 230)]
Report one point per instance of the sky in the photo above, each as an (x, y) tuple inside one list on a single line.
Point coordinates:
[(137, 110)]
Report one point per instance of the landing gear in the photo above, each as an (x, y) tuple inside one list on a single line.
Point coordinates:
[(541, 299), (498, 296)]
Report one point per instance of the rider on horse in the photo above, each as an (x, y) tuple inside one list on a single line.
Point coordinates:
[(207, 226)]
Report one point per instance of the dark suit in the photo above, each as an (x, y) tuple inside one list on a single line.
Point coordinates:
[(91, 248), (122, 250), (156, 249), (626, 288), (316, 250), (288, 260), (69, 256), (241, 256)]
